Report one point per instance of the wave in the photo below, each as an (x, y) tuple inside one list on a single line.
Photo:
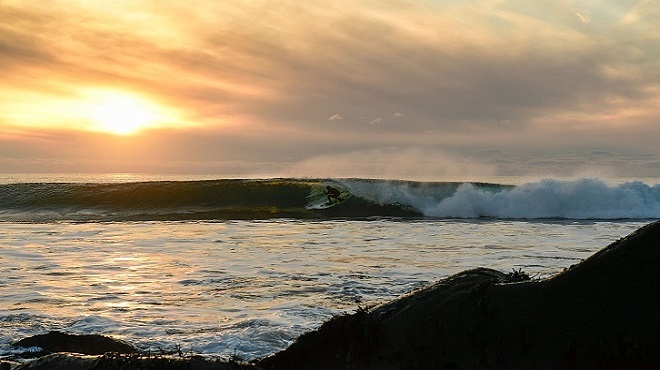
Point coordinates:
[(291, 198)]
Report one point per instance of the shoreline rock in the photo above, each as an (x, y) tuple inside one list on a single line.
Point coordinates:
[(600, 313), (110, 361), (64, 351), (56, 341)]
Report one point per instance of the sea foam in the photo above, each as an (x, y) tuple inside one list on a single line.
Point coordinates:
[(574, 199)]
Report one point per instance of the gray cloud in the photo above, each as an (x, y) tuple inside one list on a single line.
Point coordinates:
[(305, 80)]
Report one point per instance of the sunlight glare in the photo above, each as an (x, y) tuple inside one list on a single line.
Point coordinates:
[(122, 113)]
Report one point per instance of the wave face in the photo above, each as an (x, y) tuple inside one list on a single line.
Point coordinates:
[(291, 198)]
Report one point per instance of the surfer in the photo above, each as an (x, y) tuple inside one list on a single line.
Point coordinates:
[(332, 193)]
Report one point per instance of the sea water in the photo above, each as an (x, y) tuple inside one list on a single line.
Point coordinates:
[(211, 283)]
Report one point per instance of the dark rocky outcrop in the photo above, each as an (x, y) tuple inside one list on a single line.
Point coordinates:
[(602, 313), (61, 361), (55, 341)]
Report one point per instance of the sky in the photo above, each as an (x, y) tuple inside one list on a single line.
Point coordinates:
[(391, 89)]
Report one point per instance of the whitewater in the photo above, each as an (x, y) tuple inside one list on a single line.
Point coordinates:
[(241, 267)]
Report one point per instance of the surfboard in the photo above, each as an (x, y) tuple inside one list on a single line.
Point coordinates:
[(324, 205), (318, 200)]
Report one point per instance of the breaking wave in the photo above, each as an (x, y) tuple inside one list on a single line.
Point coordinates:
[(290, 198)]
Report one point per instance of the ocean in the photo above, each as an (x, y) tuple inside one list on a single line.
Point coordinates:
[(241, 267)]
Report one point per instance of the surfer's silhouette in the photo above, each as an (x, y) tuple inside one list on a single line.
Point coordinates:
[(332, 193)]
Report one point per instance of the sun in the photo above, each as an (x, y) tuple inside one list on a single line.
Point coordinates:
[(122, 116), (122, 113)]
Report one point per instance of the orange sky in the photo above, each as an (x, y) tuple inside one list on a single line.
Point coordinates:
[(343, 88)]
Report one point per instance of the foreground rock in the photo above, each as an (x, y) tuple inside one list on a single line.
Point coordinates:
[(602, 313), (63, 351), (126, 362), (55, 341)]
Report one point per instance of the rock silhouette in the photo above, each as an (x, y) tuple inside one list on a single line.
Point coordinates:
[(601, 313), (55, 341)]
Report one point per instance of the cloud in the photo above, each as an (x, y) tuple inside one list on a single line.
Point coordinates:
[(444, 62), (584, 18), (469, 76)]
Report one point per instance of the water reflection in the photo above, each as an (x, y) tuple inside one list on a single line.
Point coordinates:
[(251, 287)]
